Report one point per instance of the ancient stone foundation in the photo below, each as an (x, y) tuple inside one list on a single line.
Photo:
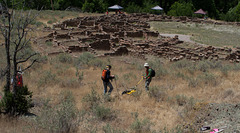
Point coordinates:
[(129, 34)]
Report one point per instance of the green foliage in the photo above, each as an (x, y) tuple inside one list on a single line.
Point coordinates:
[(133, 8), (84, 59), (145, 7), (206, 5), (157, 65), (109, 129), (38, 23), (203, 66), (181, 64), (65, 58), (97, 63), (88, 7), (98, 6), (49, 43), (157, 93), (208, 79), (233, 14), (193, 82), (181, 9), (92, 99), (187, 102), (213, 7), (102, 112), (16, 104), (63, 117), (139, 125), (181, 100), (88, 59), (47, 78), (50, 22)]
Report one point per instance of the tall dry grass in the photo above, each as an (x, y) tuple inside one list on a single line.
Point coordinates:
[(164, 106), (177, 88)]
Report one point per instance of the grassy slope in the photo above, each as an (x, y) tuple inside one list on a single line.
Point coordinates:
[(173, 82), (215, 35)]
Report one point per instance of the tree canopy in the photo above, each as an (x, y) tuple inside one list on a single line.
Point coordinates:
[(218, 9)]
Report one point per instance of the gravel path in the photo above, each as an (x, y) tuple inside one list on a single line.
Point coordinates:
[(185, 38)]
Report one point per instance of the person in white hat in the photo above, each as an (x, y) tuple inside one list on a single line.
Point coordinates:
[(147, 76)]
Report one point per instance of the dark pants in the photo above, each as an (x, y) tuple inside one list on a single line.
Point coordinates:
[(147, 82), (107, 84)]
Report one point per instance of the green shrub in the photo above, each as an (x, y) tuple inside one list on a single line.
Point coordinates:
[(96, 6), (63, 117), (79, 76), (50, 22), (109, 129), (65, 58), (133, 8), (137, 94), (158, 66), (107, 98), (236, 67), (38, 23), (181, 100), (92, 99), (179, 75), (203, 66), (232, 14), (140, 126), (181, 9), (84, 59), (102, 112), (17, 104), (208, 79), (215, 64), (225, 70), (96, 62), (157, 93), (49, 43), (181, 64), (47, 78), (193, 82)]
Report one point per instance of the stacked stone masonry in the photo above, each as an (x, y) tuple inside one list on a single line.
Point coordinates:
[(130, 34)]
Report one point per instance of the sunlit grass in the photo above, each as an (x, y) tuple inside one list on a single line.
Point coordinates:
[(210, 34)]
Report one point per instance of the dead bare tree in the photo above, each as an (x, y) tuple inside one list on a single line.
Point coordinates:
[(15, 28)]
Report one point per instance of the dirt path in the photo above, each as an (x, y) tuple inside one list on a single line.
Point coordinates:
[(185, 38)]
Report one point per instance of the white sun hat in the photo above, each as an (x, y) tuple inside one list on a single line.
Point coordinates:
[(146, 65)]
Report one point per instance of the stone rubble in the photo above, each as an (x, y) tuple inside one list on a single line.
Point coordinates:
[(130, 34)]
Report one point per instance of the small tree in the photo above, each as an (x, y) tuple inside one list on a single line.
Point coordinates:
[(15, 29), (181, 9)]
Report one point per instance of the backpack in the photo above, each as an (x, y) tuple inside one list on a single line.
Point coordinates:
[(153, 73), (104, 74)]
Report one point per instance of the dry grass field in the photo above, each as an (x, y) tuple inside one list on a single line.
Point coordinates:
[(68, 92)]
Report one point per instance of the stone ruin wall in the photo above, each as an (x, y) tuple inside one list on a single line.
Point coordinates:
[(116, 35)]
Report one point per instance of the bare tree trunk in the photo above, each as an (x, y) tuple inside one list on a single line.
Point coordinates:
[(14, 74), (7, 48), (52, 4)]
